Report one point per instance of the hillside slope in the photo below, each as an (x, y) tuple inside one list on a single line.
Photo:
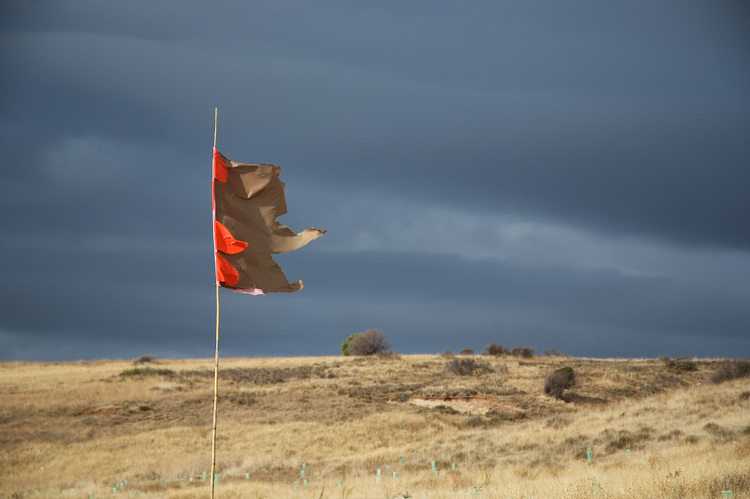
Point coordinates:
[(400, 426)]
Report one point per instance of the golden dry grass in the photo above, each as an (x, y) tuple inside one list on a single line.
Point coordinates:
[(84, 430)]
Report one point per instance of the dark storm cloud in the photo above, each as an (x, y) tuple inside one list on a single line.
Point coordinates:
[(417, 303), (584, 297), (564, 174)]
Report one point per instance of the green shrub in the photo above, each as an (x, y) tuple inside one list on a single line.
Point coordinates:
[(345, 344)]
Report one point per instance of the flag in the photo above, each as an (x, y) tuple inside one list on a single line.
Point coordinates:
[(247, 199)]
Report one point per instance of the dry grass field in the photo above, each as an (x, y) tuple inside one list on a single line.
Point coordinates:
[(429, 426)]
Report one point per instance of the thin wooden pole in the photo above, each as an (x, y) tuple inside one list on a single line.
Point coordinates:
[(216, 400), (216, 122), (216, 364)]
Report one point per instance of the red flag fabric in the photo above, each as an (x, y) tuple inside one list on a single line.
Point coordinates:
[(247, 199)]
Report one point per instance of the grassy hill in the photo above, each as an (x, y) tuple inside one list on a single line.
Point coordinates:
[(374, 427)]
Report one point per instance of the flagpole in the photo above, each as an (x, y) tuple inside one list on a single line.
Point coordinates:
[(216, 364)]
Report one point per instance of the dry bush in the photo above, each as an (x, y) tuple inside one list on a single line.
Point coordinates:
[(467, 351), (371, 342), (680, 364), (731, 369), (262, 375), (524, 352), (467, 367), (624, 439), (720, 433), (558, 381), (554, 352), (576, 446), (731, 481), (495, 349), (556, 421), (147, 371), (444, 409)]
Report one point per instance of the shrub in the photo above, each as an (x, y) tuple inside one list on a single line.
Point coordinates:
[(730, 481), (681, 364), (495, 349), (262, 375), (558, 381), (525, 352), (556, 421), (474, 421), (345, 344), (467, 367), (371, 342), (554, 352), (444, 409), (467, 351), (147, 371), (446, 353), (271, 375), (577, 446), (731, 369), (144, 359), (624, 439)]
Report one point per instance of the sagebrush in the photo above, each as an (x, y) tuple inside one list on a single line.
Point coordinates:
[(558, 381), (731, 369), (371, 342)]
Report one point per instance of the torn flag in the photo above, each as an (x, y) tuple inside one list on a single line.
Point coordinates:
[(247, 199)]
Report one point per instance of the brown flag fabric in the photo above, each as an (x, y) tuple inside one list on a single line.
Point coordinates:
[(247, 200)]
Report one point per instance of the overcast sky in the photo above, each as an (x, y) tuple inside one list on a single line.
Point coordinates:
[(570, 175)]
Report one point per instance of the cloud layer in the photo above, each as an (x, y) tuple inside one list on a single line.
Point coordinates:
[(565, 176)]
